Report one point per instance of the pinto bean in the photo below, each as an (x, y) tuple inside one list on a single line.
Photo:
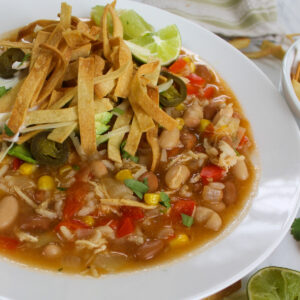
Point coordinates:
[(188, 139), (152, 181), (193, 115), (240, 170), (230, 194), (52, 251), (98, 169), (9, 210), (176, 176), (169, 139), (36, 223), (210, 111), (204, 72), (149, 249)]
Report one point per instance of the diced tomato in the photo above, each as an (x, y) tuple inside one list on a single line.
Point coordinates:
[(126, 227), (192, 89), (16, 163), (174, 151), (209, 130), (243, 142), (114, 224), (74, 200), (8, 243), (135, 213), (211, 173), (183, 207), (178, 66), (195, 79), (71, 224), (209, 92)]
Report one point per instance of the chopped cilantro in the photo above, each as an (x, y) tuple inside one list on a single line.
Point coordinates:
[(25, 58), (139, 188), (75, 167), (165, 200), (187, 220), (118, 111), (295, 230), (126, 155), (8, 131), (145, 181), (61, 188), (3, 90), (237, 153)]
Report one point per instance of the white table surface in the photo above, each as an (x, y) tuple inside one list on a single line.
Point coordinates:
[(288, 252)]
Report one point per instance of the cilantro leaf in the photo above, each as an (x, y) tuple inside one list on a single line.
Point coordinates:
[(61, 188), (165, 200), (8, 131), (126, 155), (187, 220), (139, 188), (75, 167), (3, 90), (25, 58), (118, 111), (295, 229)]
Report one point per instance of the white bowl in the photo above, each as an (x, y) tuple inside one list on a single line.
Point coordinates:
[(267, 221), (291, 56)]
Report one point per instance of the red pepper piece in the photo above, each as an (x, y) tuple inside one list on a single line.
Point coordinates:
[(209, 92), (8, 243), (16, 163), (178, 66), (126, 227), (211, 173), (195, 79), (182, 207), (192, 89), (135, 213)]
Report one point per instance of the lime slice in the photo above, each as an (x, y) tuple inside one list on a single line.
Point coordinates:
[(274, 283), (164, 45), (134, 25)]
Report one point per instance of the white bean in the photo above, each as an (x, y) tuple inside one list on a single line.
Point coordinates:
[(176, 176), (169, 139), (212, 195), (240, 170), (208, 217), (193, 115), (98, 168), (52, 251), (9, 210)]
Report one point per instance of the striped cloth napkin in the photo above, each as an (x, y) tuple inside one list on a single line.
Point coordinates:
[(251, 18)]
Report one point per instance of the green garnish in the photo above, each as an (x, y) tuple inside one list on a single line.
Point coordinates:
[(60, 269), (139, 188), (61, 188), (3, 90), (75, 167), (21, 152), (237, 153), (8, 131), (126, 155), (187, 220), (165, 200), (145, 181), (118, 111), (295, 230), (25, 58)]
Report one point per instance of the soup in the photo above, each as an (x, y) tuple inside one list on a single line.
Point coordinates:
[(108, 164)]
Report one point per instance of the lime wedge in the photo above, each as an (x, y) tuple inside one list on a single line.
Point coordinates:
[(274, 283), (133, 24), (164, 45)]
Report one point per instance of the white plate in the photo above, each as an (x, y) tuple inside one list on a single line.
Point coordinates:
[(267, 221)]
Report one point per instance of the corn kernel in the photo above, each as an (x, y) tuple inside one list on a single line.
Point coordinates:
[(27, 169), (180, 107), (64, 169), (193, 67), (151, 198), (89, 220), (46, 183), (180, 240), (187, 59), (203, 124), (180, 123), (124, 174), (190, 63)]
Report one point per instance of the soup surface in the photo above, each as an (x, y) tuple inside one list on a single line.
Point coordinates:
[(108, 164)]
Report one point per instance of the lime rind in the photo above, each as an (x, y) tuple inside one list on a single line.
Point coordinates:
[(274, 283)]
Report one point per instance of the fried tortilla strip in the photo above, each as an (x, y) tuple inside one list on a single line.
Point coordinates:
[(139, 95), (84, 29), (21, 45), (74, 38), (278, 50), (263, 52), (105, 83), (8, 100), (152, 138), (55, 96), (26, 137), (69, 94), (109, 76), (33, 83), (122, 88), (41, 37), (72, 71), (240, 43), (104, 34), (82, 51), (99, 65), (117, 25), (86, 110), (134, 137), (154, 75), (296, 86), (126, 202), (65, 15), (114, 142)]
